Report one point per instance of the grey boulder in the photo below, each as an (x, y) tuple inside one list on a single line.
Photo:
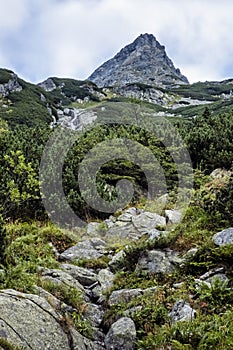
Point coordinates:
[(158, 261), (121, 335), (182, 311), (88, 249), (224, 237)]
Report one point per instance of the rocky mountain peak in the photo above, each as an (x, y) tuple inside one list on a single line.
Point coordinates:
[(143, 61)]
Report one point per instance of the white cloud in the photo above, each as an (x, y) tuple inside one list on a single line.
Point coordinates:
[(72, 37)]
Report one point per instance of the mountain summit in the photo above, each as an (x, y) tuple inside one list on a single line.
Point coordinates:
[(143, 61)]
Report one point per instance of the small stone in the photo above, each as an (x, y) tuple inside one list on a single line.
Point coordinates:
[(182, 311), (173, 216)]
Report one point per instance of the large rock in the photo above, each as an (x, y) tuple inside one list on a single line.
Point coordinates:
[(94, 314), (121, 335), (105, 278), (182, 311), (88, 249), (158, 261), (224, 237), (220, 173), (173, 216), (60, 277), (123, 229), (211, 277), (148, 221), (123, 296), (29, 321), (84, 276), (117, 259)]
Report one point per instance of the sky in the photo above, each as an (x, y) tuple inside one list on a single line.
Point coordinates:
[(71, 38)]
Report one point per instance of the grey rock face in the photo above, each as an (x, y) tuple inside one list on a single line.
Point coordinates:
[(224, 237), (144, 93), (30, 322), (158, 261), (124, 229), (182, 311), (88, 249), (11, 86), (122, 335), (48, 85), (143, 61)]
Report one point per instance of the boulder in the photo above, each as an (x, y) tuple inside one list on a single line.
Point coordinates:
[(173, 216), (94, 314), (158, 261), (209, 282), (123, 229), (29, 321), (210, 277), (85, 276), (58, 277), (105, 278), (220, 173), (123, 296), (48, 85), (121, 335), (93, 228), (156, 234), (88, 249), (147, 221), (224, 237), (182, 311), (116, 261)]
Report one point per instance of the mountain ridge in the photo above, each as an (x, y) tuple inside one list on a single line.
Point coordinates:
[(142, 61)]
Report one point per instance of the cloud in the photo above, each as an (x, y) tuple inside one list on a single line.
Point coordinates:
[(72, 37)]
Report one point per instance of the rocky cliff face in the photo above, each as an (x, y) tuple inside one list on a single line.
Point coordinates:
[(144, 61)]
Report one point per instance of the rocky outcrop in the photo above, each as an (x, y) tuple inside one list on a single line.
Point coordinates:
[(131, 224), (144, 92), (48, 85), (11, 86), (144, 61), (29, 321)]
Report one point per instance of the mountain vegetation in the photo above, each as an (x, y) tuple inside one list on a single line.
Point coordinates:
[(169, 282)]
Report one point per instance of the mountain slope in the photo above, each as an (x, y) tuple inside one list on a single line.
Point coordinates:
[(143, 61)]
